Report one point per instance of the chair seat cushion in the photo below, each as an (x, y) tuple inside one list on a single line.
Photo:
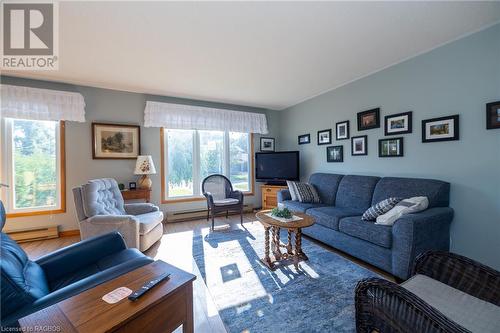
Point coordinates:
[(330, 216), (127, 256), (377, 234), (149, 221), (226, 202), (468, 311), (301, 207)]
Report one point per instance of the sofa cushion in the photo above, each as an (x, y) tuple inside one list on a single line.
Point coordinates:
[(377, 234), (127, 256), (148, 221), (303, 192), (380, 208), (438, 192), (301, 207), (468, 311), (329, 216), (326, 185), (356, 192)]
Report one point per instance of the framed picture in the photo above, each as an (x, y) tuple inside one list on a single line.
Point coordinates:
[(359, 145), (369, 119), (342, 130), (115, 141), (392, 147), (266, 144), (440, 129), (493, 115), (335, 154), (325, 137), (400, 123), (132, 186), (304, 139)]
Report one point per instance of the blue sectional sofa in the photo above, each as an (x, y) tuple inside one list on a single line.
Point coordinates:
[(392, 248)]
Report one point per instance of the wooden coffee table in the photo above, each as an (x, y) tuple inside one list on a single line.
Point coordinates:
[(295, 227)]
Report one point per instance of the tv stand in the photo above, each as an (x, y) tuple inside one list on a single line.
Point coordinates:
[(270, 195), (276, 183)]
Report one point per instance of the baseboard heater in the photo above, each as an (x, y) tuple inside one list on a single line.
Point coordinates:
[(33, 234), (185, 215)]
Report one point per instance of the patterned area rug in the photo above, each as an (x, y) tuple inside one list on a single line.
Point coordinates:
[(318, 297)]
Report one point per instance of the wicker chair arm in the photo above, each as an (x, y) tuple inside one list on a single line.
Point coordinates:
[(460, 273), (236, 195), (383, 306), (210, 198)]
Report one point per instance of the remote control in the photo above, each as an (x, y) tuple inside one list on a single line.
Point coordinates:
[(147, 286)]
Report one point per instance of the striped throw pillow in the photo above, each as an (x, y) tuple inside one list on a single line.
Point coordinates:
[(303, 192), (380, 208)]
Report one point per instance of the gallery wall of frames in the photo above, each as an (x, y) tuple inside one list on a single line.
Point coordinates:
[(446, 128)]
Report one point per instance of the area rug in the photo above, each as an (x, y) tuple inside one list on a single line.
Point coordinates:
[(318, 297)]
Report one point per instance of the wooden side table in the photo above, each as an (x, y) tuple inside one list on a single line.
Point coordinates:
[(136, 195), (163, 309)]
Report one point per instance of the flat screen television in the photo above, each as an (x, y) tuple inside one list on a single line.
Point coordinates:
[(277, 167)]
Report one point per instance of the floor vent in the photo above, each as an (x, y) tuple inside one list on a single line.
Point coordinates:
[(33, 234), (193, 214)]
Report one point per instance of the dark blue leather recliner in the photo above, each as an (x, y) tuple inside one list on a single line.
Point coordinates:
[(28, 286)]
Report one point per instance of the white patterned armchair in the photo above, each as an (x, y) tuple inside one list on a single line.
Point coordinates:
[(100, 209)]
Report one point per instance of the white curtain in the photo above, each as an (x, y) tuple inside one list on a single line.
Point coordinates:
[(41, 104), (177, 116)]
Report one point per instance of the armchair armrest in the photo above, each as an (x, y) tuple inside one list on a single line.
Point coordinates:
[(84, 253), (383, 306), (283, 195), (236, 195), (417, 233), (210, 198), (140, 208), (126, 225), (461, 273)]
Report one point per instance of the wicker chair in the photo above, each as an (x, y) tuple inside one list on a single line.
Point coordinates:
[(383, 306), (221, 197)]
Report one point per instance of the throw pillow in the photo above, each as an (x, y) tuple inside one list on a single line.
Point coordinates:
[(406, 206), (303, 192), (380, 208)]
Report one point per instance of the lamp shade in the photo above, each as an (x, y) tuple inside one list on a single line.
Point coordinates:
[(144, 165)]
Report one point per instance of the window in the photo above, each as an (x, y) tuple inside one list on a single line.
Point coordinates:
[(33, 167), (190, 156)]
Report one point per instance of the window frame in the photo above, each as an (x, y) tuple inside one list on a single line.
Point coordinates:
[(6, 170), (196, 153)]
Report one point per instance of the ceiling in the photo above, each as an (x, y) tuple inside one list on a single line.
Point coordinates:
[(264, 54)]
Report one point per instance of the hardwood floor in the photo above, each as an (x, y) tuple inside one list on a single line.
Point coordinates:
[(176, 249)]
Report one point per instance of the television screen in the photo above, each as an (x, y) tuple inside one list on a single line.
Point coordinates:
[(277, 166)]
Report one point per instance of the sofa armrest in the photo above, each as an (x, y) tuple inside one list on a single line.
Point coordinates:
[(140, 208), (283, 195), (383, 306), (461, 273), (126, 225), (81, 254), (414, 234)]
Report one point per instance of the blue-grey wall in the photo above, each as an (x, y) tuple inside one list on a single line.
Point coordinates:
[(104, 105), (458, 78)]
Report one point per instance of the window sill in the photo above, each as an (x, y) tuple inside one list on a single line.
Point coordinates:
[(36, 213), (193, 199)]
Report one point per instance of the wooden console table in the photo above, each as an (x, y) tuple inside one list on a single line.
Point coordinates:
[(270, 195), (163, 309), (136, 194)]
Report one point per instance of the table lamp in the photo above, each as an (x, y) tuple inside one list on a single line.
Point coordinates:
[(145, 167)]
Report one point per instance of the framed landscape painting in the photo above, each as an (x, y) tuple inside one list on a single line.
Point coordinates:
[(115, 141), (304, 139), (359, 145), (325, 137), (400, 123), (440, 129), (266, 144)]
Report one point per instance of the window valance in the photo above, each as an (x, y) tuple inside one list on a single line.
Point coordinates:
[(41, 104), (177, 116)]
